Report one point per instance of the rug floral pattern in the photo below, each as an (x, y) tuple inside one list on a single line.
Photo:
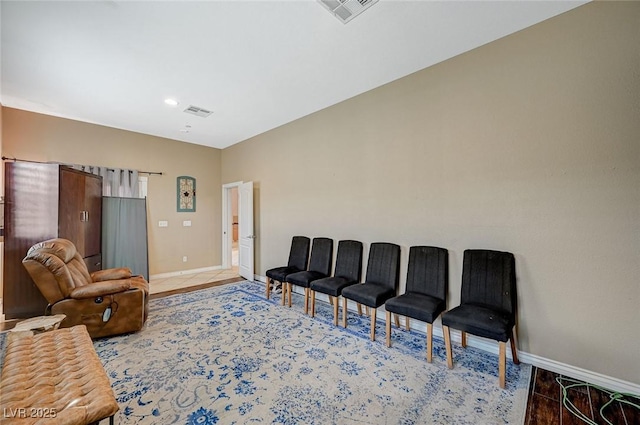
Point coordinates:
[(226, 355)]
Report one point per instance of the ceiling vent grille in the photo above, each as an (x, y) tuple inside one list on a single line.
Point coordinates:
[(346, 10), (198, 111)]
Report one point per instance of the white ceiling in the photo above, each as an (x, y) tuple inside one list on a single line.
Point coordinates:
[(257, 65)]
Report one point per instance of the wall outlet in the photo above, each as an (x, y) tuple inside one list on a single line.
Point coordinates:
[(186, 223), (184, 259), (163, 223)]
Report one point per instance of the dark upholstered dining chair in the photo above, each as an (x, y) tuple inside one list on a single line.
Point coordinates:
[(487, 303), (348, 272), (425, 296), (298, 258), (381, 281), (319, 267)]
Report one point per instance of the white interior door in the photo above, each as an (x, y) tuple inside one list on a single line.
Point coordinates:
[(245, 230)]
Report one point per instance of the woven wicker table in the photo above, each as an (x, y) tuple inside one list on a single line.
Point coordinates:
[(40, 324)]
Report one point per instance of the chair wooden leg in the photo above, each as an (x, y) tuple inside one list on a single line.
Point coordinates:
[(429, 342), (268, 289), (463, 339), (313, 303), (359, 309), (366, 311), (373, 324), (502, 363), (407, 323), (388, 323), (447, 343), (397, 317), (330, 300), (344, 313), (335, 310), (283, 287), (514, 345), (289, 288), (306, 300)]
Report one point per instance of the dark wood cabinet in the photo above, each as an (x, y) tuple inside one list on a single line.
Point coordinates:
[(80, 210), (44, 201)]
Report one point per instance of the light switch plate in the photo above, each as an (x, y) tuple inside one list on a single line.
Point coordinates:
[(186, 223), (163, 223)]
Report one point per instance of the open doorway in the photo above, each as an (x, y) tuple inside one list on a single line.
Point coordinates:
[(233, 195), (230, 226), (237, 228)]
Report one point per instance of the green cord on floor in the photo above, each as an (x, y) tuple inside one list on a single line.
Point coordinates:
[(613, 396)]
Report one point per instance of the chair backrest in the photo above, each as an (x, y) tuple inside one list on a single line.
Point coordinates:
[(349, 260), (56, 268), (321, 256), (299, 254), (383, 267), (428, 271), (489, 279)]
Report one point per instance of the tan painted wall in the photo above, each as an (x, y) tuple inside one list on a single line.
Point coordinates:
[(1, 206), (530, 144), (39, 137)]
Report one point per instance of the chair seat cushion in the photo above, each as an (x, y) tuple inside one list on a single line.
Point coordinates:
[(280, 273), (480, 321), (331, 285), (304, 278), (417, 306), (369, 294)]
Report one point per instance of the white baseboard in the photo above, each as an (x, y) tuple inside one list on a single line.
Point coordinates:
[(490, 346), (183, 272), (589, 376)]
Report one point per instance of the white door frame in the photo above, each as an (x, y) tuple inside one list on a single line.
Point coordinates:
[(227, 230)]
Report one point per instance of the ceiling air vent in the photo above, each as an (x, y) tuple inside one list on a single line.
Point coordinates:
[(198, 111), (346, 10)]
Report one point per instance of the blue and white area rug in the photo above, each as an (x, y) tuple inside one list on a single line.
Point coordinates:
[(226, 355)]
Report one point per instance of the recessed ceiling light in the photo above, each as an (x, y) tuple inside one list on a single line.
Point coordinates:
[(171, 102)]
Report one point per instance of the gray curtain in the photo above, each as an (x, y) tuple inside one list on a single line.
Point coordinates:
[(115, 181), (124, 234)]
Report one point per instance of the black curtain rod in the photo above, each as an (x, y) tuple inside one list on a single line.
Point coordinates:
[(4, 158)]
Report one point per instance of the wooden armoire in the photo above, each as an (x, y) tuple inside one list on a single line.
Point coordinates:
[(44, 201)]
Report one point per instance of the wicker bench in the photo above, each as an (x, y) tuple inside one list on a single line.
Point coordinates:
[(54, 378)]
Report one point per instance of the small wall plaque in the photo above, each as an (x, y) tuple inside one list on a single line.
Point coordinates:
[(186, 194)]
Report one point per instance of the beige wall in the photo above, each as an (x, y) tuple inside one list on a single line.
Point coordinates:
[(1, 206), (39, 137), (530, 144)]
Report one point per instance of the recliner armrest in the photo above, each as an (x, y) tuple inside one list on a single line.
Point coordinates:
[(98, 289), (141, 283), (111, 274)]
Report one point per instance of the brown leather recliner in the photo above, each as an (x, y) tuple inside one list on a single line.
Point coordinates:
[(108, 302)]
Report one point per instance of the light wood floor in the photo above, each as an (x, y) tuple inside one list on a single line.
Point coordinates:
[(157, 286)]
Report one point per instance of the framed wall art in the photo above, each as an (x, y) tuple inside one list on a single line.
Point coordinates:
[(186, 187)]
